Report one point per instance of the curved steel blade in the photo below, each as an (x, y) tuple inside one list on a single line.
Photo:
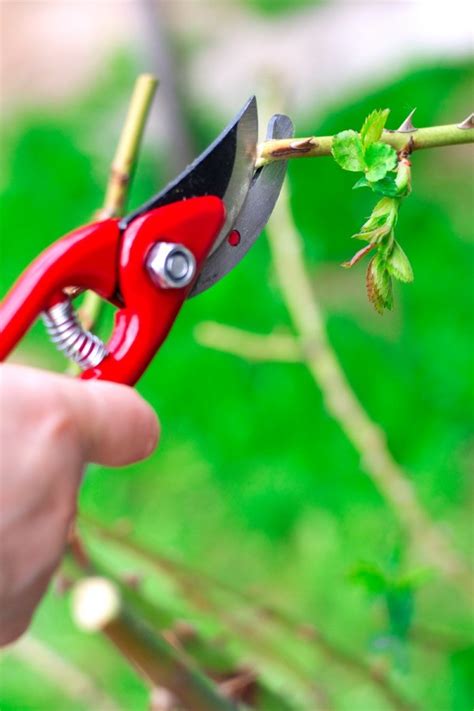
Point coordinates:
[(224, 169), (254, 215)]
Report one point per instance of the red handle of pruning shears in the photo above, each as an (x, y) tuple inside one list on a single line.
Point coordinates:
[(113, 263)]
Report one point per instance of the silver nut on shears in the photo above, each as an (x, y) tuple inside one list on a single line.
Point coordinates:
[(171, 266)]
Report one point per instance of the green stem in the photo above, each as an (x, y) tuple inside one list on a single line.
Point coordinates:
[(118, 186), (128, 146), (315, 146)]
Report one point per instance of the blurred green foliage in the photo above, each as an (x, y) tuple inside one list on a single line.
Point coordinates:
[(280, 7), (253, 481)]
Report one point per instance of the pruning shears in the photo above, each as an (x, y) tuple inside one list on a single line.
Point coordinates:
[(178, 244)]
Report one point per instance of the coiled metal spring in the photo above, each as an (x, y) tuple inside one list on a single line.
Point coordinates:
[(70, 338)]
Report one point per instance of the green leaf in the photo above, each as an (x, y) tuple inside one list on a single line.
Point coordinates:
[(386, 186), (379, 158), (371, 577), (382, 279), (400, 608), (373, 126), (379, 284), (348, 151), (361, 183), (399, 265), (381, 222)]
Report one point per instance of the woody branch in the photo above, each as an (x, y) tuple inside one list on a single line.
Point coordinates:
[(406, 138)]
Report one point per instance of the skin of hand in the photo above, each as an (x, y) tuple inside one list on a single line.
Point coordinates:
[(51, 426)]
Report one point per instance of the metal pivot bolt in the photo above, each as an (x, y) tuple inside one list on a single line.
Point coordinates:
[(171, 266)]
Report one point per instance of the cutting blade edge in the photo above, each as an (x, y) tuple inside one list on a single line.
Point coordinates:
[(254, 215), (224, 169)]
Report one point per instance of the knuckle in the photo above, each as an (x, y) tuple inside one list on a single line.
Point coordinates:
[(60, 424), (62, 506)]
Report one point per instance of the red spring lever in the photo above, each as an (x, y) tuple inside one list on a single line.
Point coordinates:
[(151, 304), (148, 271)]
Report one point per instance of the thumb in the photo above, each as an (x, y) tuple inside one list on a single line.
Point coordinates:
[(115, 424)]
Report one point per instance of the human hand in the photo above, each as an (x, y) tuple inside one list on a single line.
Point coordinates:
[(51, 426)]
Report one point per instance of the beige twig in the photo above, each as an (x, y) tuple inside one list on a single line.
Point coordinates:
[(316, 146), (127, 150), (252, 346), (70, 680)]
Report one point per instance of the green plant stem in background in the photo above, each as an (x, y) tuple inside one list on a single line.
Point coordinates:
[(126, 154), (409, 141), (72, 681)]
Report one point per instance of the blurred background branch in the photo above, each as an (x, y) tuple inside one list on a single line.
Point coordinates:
[(261, 624), (76, 684), (252, 346), (98, 606)]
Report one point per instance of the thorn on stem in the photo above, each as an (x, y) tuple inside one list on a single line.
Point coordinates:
[(407, 125), (406, 151), (240, 685), (132, 580), (73, 291), (121, 177), (300, 146), (467, 123), (180, 635), (62, 584), (358, 256)]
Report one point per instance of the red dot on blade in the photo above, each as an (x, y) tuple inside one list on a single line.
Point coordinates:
[(234, 238)]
